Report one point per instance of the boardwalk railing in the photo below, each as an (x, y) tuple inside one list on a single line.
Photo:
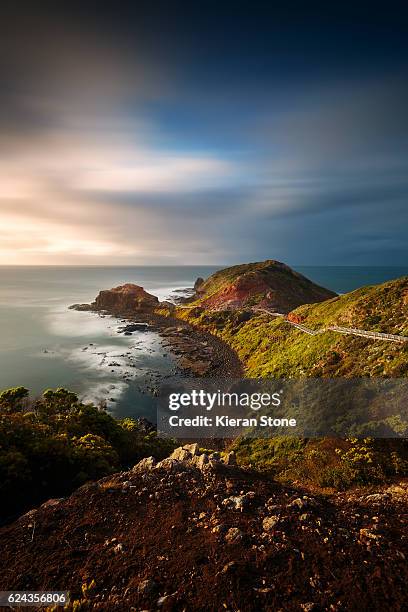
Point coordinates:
[(269, 312), (341, 330), (368, 334), (306, 330), (335, 328)]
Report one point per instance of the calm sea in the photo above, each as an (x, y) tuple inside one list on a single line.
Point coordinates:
[(43, 344)]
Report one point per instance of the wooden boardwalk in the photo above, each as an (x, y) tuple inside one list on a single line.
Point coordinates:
[(351, 331), (368, 334), (348, 331)]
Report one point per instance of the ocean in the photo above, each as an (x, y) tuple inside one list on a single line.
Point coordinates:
[(45, 345)]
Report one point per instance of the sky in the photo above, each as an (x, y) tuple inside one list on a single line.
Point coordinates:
[(168, 133)]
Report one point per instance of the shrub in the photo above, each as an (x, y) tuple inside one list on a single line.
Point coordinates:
[(50, 445), (327, 462), (11, 400)]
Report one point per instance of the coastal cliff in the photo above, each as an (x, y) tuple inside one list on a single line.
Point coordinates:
[(269, 284), (122, 300)]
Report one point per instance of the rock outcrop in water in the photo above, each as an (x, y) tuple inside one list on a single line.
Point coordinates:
[(127, 297)]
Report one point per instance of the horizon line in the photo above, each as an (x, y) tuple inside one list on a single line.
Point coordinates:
[(195, 265)]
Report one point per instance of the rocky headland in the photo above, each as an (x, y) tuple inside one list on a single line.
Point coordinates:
[(269, 284), (272, 346), (197, 352), (226, 327)]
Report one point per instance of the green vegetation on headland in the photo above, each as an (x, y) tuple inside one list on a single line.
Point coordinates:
[(270, 347), (51, 445)]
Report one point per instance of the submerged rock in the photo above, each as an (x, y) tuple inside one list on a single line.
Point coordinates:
[(80, 307), (132, 327)]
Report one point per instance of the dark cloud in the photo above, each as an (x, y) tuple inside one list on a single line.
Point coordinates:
[(184, 133)]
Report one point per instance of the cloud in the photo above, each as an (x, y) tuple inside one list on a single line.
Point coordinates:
[(49, 216), (107, 194), (113, 151), (348, 125), (155, 173)]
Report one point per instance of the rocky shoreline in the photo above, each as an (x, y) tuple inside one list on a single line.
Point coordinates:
[(198, 353)]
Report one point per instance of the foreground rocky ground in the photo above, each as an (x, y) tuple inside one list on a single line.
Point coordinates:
[(197, 533)]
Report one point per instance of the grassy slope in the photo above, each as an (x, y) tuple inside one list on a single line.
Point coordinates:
[(382, 308), (272, 347)]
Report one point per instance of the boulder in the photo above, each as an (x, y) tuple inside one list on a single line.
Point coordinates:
[(302, 503), (180, 454), (234, 535), (167, 464), (230, 458), (200, 461), (132, 327), (270, 522), (237, 502), (147, 463), (192, 448)]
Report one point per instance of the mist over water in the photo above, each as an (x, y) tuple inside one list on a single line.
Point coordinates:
[(43, 344)]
